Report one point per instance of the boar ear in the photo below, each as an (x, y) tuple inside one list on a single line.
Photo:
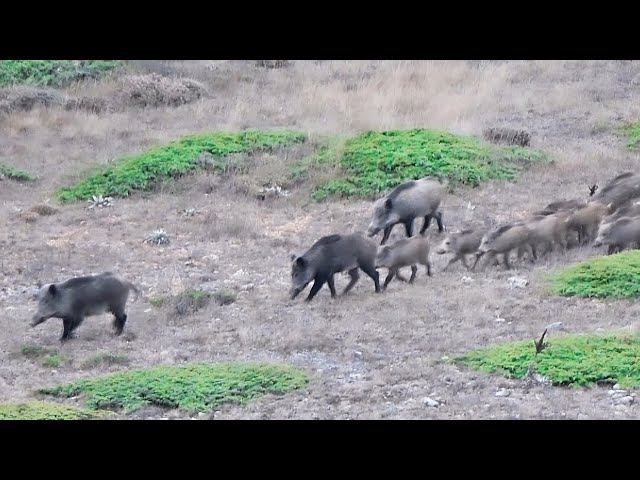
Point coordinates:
[(52, 289), (300, 262), (388, 204)]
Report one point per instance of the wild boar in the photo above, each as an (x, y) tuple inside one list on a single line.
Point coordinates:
[(408, 201), (585, 221), (330, 255), (548, 231), (503, 240), (76, 298), (404, 253), (630, 209), (561, 205), (620, 190), (461, 243), (619, 235)]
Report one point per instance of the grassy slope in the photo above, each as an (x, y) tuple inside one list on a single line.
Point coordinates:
[(567, 360), (199, 387), (372, 162), (14, 174), (632, 131), (614, 276), (34, 410), (53, 73), (144, 170)]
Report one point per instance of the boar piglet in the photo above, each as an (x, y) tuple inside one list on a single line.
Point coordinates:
[(404, 253)]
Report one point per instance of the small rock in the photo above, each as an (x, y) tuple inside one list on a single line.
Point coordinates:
[(444, 358), (554, 326), (517, 282), (247, 287), (466, 279), (499, 319), (503, 392), (430, 402), (628, 400), (617, 387)]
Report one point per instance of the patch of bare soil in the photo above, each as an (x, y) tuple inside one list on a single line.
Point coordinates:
[(370, 355)]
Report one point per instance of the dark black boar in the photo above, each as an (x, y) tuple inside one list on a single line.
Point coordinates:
[(330, 255), (80, 297)]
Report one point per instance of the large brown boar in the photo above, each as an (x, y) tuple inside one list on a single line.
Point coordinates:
[(408, 201), (462, 243), (404, 253), (330, 255), (80, 297)]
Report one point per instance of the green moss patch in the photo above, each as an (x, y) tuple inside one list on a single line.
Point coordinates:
[(200, 387), (47, 357), (578, 360), (14, 174), (105, 359), (34, 410), (609, 276), (145, 170), (53, 73), (373, 161), (632, 132)]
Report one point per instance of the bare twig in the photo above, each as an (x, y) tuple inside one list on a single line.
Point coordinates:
[(540, 346), (592, 190)]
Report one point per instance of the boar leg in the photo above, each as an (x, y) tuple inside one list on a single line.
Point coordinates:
[(317, 285), (427, 265), (332, 286), (370, 269), (414, 271), (119, 321), (67, 326), (387, 232), (505, 259), (438, 217), (478, 257), (408, 226), (454, 260), (389, 277), (425, 224), (355, 275)]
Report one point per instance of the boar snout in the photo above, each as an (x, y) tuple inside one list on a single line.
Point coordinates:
[(294, 292), (37, 320)]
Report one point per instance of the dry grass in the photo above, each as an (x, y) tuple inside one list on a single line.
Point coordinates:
[(374, 356)]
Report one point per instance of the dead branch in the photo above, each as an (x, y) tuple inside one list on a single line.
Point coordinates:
[(540, 344)]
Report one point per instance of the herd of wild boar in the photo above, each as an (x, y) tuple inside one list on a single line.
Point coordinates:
[(610, 217)]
